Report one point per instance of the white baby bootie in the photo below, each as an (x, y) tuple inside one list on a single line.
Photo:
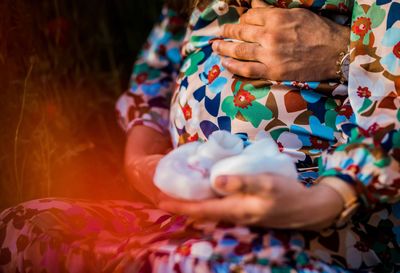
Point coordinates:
[(189, 172), (262, 156), (185, 172)]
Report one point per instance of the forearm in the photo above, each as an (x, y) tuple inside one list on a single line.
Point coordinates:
[(339, 41), (144, 148), (142, 141)]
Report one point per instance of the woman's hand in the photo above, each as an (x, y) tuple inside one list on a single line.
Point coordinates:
[(283, 44), (266, 200), (144, 149), (140, 173)]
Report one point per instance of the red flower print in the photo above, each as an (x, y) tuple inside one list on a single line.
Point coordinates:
[(162, 50), (361, 246), (301, 85), (141, 78), (353, 168), (192, 138), (184, 250), (282, 4), (177, 21), (373, 128), (318, 143), (187, 111), (213, 73), (146, 45), (396, 50), (370, 131), (361, 26), (280, 147), (343, 8), (176, 24), (344, 110), (242, 249), (363, 92), (243, 99)]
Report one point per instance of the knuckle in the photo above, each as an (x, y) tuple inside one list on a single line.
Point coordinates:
[(244, 17), (251, 12), (247, 71), (273, 40), (268, 185), (276, 19), (299, 12), (225, 28), (241, 50), (275, 71), (275, 74), (243, 215), (240, 31)]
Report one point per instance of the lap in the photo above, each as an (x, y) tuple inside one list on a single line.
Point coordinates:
[(119, 235)]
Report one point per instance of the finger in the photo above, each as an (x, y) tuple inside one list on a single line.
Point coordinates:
[(259, 4), (214, 209), (248, 184), (252, 17), (252, 70), (255, 16), (238, 50), (243, 32)]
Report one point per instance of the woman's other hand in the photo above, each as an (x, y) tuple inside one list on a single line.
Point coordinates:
[(266, 200), (283, 44), (144, 149)]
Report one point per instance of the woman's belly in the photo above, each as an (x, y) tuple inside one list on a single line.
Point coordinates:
[(298, 116), (208, 98)]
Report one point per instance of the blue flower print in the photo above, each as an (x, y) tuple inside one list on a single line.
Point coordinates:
[(392, 39), (211, 75)]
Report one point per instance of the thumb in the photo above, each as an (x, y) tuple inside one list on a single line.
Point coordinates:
[(259, 4)]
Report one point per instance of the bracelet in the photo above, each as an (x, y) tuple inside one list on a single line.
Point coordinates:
[(342, 66), (350, 200)]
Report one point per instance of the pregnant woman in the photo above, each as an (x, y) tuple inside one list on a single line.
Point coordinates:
[(281, 70)]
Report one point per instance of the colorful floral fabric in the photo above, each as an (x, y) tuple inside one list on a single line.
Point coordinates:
[(63, 235), (312, 117), (178, 85), (369, 160)]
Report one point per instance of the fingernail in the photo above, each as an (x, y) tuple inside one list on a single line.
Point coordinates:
[(225, 62), (215, 45), (222, 181), (234, 184)]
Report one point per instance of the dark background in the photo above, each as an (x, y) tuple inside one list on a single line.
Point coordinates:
[(63, 64)]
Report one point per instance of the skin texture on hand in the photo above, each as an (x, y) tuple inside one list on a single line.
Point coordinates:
[(282, 44), (268, 201)]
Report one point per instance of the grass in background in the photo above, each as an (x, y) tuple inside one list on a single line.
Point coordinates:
[(63, 63)]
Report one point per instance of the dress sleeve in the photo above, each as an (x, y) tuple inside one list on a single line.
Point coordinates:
[(146, 102), (369, 159)]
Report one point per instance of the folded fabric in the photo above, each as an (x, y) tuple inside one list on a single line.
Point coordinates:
[(189, 172)]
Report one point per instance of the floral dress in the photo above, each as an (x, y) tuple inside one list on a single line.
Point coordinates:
[(179, 87)]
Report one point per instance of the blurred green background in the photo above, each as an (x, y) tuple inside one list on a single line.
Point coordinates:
[(63, 64)]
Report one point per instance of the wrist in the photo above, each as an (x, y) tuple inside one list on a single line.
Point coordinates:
[(327, 205), (340, 49), (344, 192), (142, 141)]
